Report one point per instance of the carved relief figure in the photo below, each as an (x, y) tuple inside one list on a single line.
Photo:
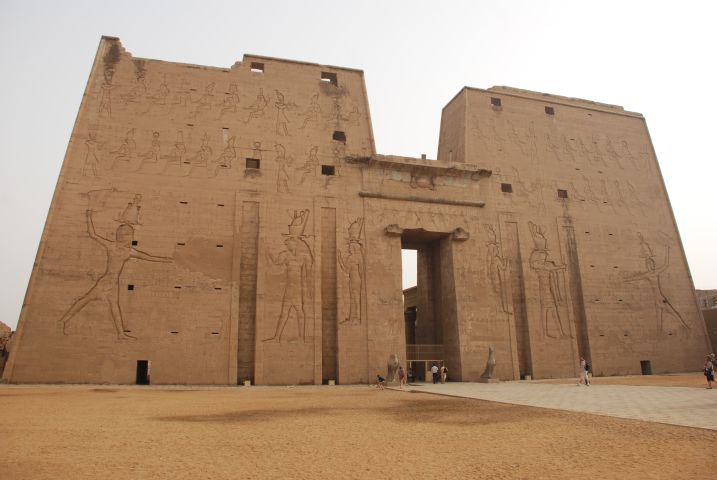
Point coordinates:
[(549, 284), (152, 155), (419, 180), (568, 149), (139, 90), (105, 92), (297, 261), (497, 269), (202, 158), (226, 158), (552, 147), (353, 265), (663, 306), (256, 109), (92, 163), (180, 149), (282, 121), (335, 116), (183, 96), (312, 162), (106, 289), (282, 178), (204, 103), (130, 215), (126, 151), (159, 97), (312, 113), (612, 153), (231, 101)]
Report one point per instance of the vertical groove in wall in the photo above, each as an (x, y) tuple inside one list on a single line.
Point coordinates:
[(247, 290), (329, 303), (576, 294), (522, 333)]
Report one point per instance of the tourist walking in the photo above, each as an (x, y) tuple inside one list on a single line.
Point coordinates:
[(444, 374), (380, 382), (401, 377), (709, 371), (434, 371)]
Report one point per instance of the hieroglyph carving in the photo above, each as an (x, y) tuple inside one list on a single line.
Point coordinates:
[(297, 261), (107, 289), (550, 281), (353, 265), (497, 269), (282, 121), (256, 109), (283, 162), (92, 163), (663, 306)]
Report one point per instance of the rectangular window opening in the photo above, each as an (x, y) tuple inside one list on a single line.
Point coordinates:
[(330, 77), (328, 170), (183, 203), (215, 333), (550, 110), (177, 286), (174, 332), (181, 244), (506, 188), (220, 246), (134, 243), (495, 102), (253, 163), (220, 204), (130, 287), (339, 136), (257, 67), (562, 193)]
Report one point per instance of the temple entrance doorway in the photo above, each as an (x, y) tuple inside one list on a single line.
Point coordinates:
[(430, 312)]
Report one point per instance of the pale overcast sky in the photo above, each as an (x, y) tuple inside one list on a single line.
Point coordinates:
[(653, 57)]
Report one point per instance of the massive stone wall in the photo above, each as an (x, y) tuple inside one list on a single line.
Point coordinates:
[(237, 224)]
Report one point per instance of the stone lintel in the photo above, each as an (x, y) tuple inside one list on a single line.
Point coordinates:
[(412, 198)]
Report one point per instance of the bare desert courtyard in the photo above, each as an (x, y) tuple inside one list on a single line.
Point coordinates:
[(78, 432)]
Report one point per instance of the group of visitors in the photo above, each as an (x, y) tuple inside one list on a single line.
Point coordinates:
[(440, 374), (401, 374)]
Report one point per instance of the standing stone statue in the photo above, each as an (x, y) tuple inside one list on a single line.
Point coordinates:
[(392, 367), (489, 365)]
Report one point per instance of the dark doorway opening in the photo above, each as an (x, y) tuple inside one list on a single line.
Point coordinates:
[(646, 367), (142, 372), (430, 312)]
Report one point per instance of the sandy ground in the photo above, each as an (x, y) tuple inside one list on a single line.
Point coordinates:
[(325, 432), (696, 380)]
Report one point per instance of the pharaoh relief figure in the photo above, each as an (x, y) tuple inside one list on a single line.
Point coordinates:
[(297, 262), (497, 269), (652, 276), (118, 252), (550, 281), (352, 263)]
